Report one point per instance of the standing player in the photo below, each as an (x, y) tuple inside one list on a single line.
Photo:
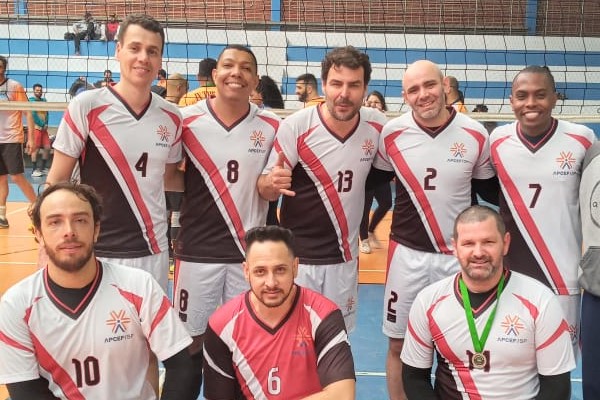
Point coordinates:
[(589, 196), (11, 141), (278, 340), (437, 155), (42, 141), (80, 328), (227, 141), (497, 334), (327, 151), (538, 161), (126, 139)]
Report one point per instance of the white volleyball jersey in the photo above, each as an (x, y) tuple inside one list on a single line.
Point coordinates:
[(123, 156), (528, 336), (540, 200), (98, 350), (221, 201), (328, 176), (434, 169)]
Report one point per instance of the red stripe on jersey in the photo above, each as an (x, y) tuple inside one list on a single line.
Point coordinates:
[(317, 168), (583, 140), (378, 127), (73, 126), (478, 136), (417, 338), (176, 120), (391, 250), (116, 154), (175, 278), (13, 343), (132, 298), (160, 315), (211, 169), (562, 328), (533, 310), (403, 168), (271, 121), (527, 219), (59, 375), (446, 351), (278, 149)]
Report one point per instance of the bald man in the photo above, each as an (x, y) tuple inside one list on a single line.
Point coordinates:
[(454, 97), (177, 86), (437, 155)]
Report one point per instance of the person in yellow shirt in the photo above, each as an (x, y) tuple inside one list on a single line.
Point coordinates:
[(454, 97), (207, 87)]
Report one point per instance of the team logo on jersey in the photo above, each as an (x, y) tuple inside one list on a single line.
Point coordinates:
[(458, 150), (164, 135), (573, 333), (368, 147), (118, 323), (512, 325), (303, 339), (257, 138), (566, 162)]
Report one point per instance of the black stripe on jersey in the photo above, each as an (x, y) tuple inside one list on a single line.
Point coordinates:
[(445, 386), (121, 235), (204, 235), (531, 146), (480, 302), (126, 105), (72, 302), (305, 214), (267, 328), (407, 226), (216, 117), (519, 257), (342, 139), (434, 131)]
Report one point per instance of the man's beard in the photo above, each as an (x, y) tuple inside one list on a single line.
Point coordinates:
[(70, 264)]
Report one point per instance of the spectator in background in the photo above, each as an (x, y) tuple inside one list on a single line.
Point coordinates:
[(454, 97), (177, 86), (79, 85), (207, 87), (161, 86), (489, 125), (42, 141), (111, 28), (11, 141), (382, 193), (307, 90), (267, 95), (84, 29), (106, 80)]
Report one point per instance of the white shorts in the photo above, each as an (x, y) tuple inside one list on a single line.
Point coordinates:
[(337, 282), (198, 290), (409, 271), (571, 306), (156, 264)]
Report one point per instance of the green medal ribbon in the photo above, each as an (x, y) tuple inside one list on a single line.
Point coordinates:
[(479, 343)]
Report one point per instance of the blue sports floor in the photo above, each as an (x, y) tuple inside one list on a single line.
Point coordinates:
[(369, 345)]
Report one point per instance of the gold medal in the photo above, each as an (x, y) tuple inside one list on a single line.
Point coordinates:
[(479, 360)]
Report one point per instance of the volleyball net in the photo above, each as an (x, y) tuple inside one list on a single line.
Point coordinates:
[(481, 43)]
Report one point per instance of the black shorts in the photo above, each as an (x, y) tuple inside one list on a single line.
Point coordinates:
[(11, 159)]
